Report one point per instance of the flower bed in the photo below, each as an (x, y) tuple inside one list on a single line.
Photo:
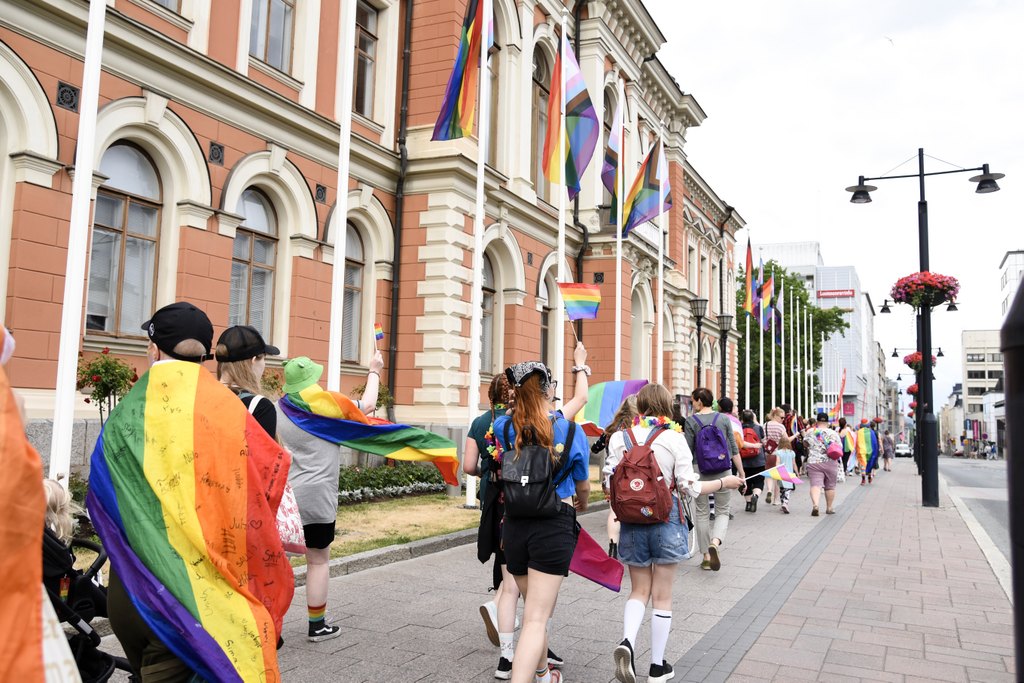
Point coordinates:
[(360, 484), (925, 289), (913, 361)]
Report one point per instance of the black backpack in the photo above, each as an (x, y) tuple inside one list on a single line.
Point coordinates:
[(530, 481)]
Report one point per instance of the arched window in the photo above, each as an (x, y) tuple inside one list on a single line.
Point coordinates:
[(640, 341), (487, 319), (252, 266), (352, 307), (541, 84), (125, 233), (609, 124), (545, 291), (494, 69)]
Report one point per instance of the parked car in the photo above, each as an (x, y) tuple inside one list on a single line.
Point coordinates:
[(959, 452), (903, 450)]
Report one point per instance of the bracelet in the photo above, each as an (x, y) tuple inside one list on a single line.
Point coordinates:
[(373, 372), (585, 369)]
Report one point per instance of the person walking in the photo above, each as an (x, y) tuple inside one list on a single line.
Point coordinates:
[(652, 551), (539, 542), (623, 419), (241, 356), (849, 440), (888, 450), (774, 431), (787, 458), (823, 450), (315, 472), (752, 453), (795, 427), (868, 451), (710, 438)]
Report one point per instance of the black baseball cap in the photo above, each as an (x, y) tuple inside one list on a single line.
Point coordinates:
[(177, 322), (243, 342)]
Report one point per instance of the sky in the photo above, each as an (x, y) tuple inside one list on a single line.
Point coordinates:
[(803, 96)]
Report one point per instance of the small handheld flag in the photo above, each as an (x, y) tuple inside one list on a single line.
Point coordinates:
[(581, 301), (378, 331), (780, 473)]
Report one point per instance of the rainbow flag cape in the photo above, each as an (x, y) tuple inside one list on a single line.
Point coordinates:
[(642, 201), (311, 410), (780, 473), (22, 506), (610, 168), (581, 301), (867, 449), (604, 399), (455, 120), (183, 491), (750, 284), (581, 127)]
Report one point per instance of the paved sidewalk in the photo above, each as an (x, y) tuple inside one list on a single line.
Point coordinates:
[(867, 594)]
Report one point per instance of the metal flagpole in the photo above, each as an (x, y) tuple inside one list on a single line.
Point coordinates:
[(620, 189), (771, 342), (78, 240), (476, 287), (344, 112), (760, 351), (799, 365), (662, 231), (559, 356), (782, 347), (792, 352), (746, 386), (810, 360)]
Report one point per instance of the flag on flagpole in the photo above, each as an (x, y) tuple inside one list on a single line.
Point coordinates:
[(455, 120), (581, 126), (641, 203), (758, 288), (777, 312), (748, 292), (839, 397), (610, 168), (767, 296), (581, 300)]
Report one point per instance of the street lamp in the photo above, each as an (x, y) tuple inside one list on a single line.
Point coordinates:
[(926, 422), (724, 325), (699, 307)]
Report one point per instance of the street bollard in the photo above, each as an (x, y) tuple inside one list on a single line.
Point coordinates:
[(1012, 346)]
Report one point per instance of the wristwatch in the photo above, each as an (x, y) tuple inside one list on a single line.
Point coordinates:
[(581, 368)]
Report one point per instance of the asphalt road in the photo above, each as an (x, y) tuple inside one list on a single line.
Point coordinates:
[(981, 484)]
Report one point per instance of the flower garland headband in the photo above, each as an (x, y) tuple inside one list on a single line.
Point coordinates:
[(652, 422)]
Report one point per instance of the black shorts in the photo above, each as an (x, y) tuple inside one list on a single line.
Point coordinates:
[(544, 544), (318, 536)]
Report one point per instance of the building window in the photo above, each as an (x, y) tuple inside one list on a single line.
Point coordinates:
[(126, 228), (975, 358), (547, 286), (694, 276), (541, 84), (173, 5), (252, 266), (487, 320), (974, 408), (975, 374), (995, 358), (366, 58), (995, 374), (271, 32), (976, 391), (351, 317), (494, 71)]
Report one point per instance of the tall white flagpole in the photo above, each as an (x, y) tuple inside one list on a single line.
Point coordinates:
[(760, 352), (746, 354), (798, 397), (620, 192), (343, 100), (792, 355), (662, 231), (771, 342), (782, 347), (476, 295), (810, 359), (78, 240), (559, 356)]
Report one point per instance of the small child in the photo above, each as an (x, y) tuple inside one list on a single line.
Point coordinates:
[(60, 510), (787, 458)]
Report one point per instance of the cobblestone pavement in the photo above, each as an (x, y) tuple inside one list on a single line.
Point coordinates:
[(882, 591)]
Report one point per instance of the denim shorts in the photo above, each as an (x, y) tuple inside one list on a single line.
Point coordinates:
[(641, 545)]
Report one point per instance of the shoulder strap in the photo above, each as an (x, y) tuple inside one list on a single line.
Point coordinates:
[(508, 438), (628, 438), (566, 471), (655, 433), (254, 402)]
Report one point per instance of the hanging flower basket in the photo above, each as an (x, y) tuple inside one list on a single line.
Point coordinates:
[(925, 289), (912, 390), (913, 361), (913, 405), (910, 414), (878, 420)]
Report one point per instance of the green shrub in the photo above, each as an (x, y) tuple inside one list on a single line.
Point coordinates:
[(356, 484)]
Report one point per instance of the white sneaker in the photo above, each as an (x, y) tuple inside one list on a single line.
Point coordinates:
[(489, 613)]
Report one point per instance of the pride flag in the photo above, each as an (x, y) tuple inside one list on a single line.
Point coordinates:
[(581, 301), (867, 449), (849, 441), (603, 400), (777, 312), (610, 168), (642, 201), (183, 491), (780, 473), (369, 435), (750, 284), (767, 301), (590, 561), (378, 331), (581, 126), (455, 119)]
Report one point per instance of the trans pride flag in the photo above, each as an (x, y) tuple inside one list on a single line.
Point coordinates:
[(333, 417), (581, 126), (642, 201), (183, 491), (581, 300), (750, 284), (603, 399), (455, 119)]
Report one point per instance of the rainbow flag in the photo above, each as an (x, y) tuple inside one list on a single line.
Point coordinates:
[(590, 561), (849, 441), (604, 399), (780, 473), (455, 119), (183, 491), (750, 286), (642, 201), (22, 505), (610, 168), (582, 129), (378, 331), (767, 301), (581, 301), (333, 417), (867, 449)]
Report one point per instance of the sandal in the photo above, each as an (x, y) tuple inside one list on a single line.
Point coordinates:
[(715, 562), (830, 512), (814, 512), (706, 565)]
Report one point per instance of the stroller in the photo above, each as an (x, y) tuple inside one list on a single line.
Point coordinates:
[(78, 598)]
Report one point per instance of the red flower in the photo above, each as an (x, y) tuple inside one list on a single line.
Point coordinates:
[(913, 405), (95, 378), (135, 377), (105, 350), (88, 400)]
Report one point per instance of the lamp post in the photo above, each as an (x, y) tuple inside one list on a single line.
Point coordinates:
[(926, 417), (699, 307), (725, 326)]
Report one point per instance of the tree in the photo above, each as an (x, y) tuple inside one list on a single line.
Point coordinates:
[(828, 321)]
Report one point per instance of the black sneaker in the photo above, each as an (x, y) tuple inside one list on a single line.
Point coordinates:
[(613, 550), (768, 498), (321, 631), (753, 503), (712, 516), (660, 672), (624, 669), (504, 670), (554, 660)]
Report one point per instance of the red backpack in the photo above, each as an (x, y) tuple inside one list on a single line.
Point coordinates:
[(638, 491), (750, 435)]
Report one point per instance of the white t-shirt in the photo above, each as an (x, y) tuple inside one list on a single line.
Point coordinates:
[(671, 452)]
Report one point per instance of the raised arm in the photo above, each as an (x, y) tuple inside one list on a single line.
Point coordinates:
[(581, 383), (368, 402)]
